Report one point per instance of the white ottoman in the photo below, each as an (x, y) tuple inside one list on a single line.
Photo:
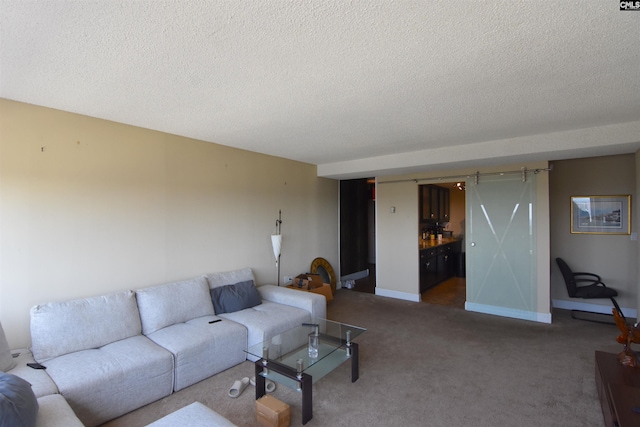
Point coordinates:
[(194, 415)]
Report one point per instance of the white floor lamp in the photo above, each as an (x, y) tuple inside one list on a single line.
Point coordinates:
[(276, 243)]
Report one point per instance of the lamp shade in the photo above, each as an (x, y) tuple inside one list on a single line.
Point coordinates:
[(276, 242)]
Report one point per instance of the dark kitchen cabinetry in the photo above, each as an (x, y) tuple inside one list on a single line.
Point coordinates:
[(445, 262), (428, 268), (437, 264), (434, 204)]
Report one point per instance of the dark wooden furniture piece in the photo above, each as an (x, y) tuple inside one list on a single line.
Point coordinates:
[(618, 388), (437, 262)]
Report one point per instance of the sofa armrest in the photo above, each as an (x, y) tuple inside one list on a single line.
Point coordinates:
[(315, 304)]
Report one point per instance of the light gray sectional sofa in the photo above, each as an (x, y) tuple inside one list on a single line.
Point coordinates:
[(111, 354)]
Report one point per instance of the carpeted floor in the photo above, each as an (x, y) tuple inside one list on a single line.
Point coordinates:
[(425, 364)]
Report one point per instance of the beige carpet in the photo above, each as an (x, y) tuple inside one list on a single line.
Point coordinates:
[(423, 364)]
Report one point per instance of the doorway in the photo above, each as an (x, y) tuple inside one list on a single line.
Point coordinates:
[(451, 291), (357, 234)]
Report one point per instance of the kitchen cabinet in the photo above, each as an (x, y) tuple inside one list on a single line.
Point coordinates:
[(443, 204), (434, 204), (445, 262), (428, 268), (437, 263)]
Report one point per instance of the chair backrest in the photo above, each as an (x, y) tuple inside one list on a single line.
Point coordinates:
[(569, 279)]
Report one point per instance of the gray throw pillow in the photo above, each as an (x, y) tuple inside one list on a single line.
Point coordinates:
[(7, 361), (236, 297), (18, 404)]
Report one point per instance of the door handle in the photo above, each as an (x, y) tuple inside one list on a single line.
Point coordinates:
[(473, 244)]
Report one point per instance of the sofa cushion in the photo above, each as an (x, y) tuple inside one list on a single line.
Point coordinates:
[(236, 297), (105, 383), (64, 327), (6, 359), (18, 404), (165, 305), (229, 277), (201, 349)]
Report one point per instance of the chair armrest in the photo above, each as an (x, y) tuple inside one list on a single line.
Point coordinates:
[(590, 282), (315, 304), (598, 278)]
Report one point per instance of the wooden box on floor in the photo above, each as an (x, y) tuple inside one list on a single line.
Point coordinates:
[(272, 412)]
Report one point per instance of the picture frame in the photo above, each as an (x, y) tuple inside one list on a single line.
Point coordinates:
[(601, 214)]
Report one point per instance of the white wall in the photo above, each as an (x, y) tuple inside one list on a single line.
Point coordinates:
[(89, 207)]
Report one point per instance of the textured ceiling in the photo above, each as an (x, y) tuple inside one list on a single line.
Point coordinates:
[(359, 87)]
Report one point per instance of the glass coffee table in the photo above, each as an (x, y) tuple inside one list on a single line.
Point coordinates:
[(302, 355)]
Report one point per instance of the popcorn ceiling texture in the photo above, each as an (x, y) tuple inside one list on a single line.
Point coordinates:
[(327, 82)]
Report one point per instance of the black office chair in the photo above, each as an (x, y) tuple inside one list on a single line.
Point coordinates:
[(594, 288)]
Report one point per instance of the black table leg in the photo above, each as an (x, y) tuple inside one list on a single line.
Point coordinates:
[(307, 398), (305, 381), (355, 367), (260, 380)]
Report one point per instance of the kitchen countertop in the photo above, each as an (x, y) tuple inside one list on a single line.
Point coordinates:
[(428, 244)]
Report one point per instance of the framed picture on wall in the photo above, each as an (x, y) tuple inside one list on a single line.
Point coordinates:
[(601, 214)]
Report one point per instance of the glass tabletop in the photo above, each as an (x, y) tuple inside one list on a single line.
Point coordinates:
[(316, 347)]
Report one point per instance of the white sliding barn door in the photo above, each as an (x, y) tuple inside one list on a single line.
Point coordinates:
[(500, 246)]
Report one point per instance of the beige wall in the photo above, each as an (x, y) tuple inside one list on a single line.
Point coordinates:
[(613, 257), (89, 207), (397, 261), (457, 213)]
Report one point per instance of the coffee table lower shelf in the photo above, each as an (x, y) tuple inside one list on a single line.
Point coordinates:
[(303, 382)]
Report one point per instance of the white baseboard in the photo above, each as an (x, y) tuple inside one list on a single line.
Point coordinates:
[(398, 295), (508, 312), (592, 308)]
